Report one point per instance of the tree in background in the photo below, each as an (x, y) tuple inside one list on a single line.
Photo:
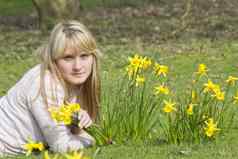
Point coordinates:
[(50, 12)]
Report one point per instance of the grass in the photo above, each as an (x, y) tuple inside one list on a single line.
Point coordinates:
[(226, 148), (15, 7), (220, 57)]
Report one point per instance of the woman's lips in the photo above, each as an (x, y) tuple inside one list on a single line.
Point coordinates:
[(77, 74)]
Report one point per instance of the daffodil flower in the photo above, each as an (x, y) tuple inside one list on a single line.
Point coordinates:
[(220, 95), (33, 145), (135, 61), (194, 96), (202, 70), (161, 89), (146, 63), (64, 113), (46, 156), (139, 80), (136, 64), (161, 69), (190, 109), (209, 86), (76, 155), (169, 107), (211, 127), (231, 80), (235, 98)]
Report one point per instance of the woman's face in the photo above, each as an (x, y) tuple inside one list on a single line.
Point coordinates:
[(75, 67)]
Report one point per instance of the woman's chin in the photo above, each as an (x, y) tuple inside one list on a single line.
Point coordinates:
[(77, 82)]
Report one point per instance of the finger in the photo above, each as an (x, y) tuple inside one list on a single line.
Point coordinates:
[(80, 117), (87, 123), (80, 114), (84, 120)]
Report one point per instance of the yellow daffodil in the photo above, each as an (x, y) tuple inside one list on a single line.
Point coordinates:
[(134, 66), (137, 63), (130, 71), (146, 63), (169, 107), (139, 80), (210, 86), (46, 156), (231, 80), (215, 90), (73, 107), (64, 113), (76, 155), (190, 109), (211, 127), (161, 69), (194, 96), (32, 145), (220, 95), (202, 70), (235, 98), (61, 115), (161, 89)]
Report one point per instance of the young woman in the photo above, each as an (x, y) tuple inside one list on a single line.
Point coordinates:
[(68, 73)]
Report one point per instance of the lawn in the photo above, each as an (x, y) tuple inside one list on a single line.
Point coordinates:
[(219, 56), (182, 55)]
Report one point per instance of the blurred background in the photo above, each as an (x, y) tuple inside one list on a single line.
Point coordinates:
[(148, 20)]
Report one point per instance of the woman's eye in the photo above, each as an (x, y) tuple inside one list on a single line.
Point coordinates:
[(67, 58), (84, 56)]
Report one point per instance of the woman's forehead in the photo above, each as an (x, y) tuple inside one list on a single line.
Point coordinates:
[(70, 50)]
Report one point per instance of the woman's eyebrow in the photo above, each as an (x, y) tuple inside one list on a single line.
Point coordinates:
[(66, 53)]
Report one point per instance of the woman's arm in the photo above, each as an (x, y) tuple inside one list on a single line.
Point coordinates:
[(57, 135), (82, 133), (84, 122)]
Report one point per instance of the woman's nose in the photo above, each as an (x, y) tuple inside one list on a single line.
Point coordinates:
[(77, 63)]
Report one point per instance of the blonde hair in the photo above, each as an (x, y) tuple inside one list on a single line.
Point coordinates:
[(79, 37)]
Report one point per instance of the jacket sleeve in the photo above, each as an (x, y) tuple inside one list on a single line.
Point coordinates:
[(57, 135)]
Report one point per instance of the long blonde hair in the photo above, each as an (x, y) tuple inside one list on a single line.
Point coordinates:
[(76, 35)]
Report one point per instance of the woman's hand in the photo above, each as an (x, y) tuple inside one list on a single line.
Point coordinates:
[(84, 119)]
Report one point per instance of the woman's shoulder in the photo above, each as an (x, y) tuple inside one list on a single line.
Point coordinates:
[(33, 72), (38, 80)]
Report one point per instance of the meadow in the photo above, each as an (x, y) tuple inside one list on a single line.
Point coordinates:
[(120, 37)]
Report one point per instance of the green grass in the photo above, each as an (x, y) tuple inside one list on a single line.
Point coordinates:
[(14, 7), (225, 148), (110, 3), (220, 57), (25, 7)]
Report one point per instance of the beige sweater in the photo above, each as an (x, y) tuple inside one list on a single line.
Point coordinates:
[(22, 116)]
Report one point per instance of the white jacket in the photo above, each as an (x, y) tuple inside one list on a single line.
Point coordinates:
[(23, 116)]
